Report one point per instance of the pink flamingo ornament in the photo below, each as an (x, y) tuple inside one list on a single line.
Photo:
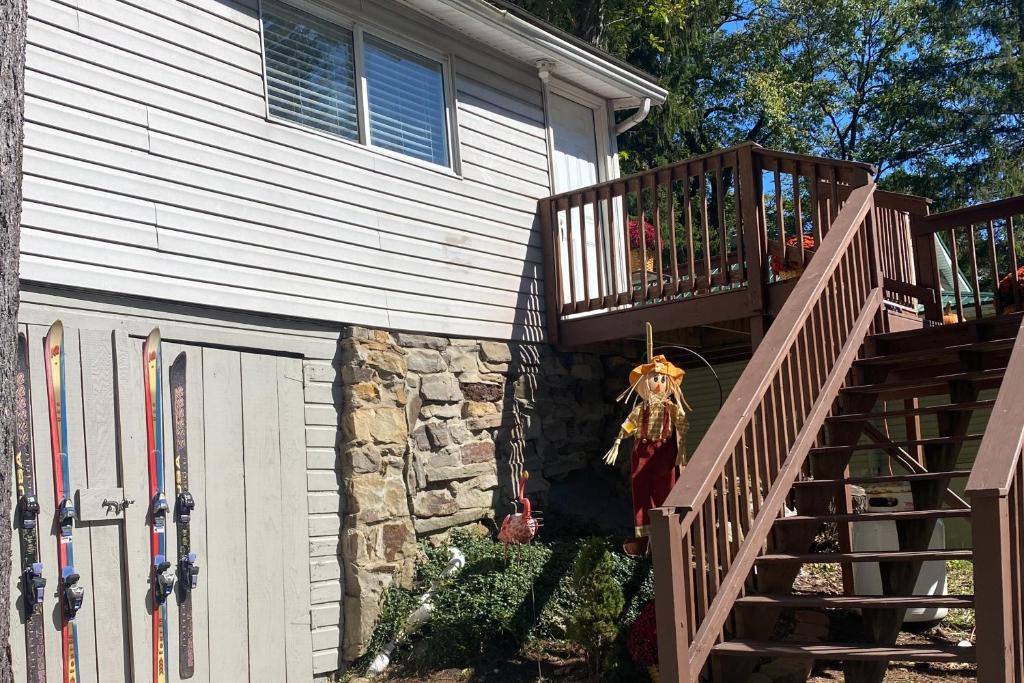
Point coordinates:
[(520, 527)]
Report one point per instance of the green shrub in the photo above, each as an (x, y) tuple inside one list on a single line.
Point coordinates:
[(594, 623), (503, 599), (488, 606)]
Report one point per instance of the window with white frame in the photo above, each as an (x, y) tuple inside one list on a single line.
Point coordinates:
[(349, 82)]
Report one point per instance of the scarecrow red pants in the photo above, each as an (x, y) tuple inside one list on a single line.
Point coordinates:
[(653, 473)]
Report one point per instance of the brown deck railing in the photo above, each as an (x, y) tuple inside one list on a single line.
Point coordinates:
[(702, 226), (996, 491), (717, 519), (982, 247), (893, 214)]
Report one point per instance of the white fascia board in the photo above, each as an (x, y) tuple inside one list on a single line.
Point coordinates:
[(634, 86)]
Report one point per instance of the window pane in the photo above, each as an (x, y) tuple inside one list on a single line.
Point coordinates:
[(405, 93), (310, 70)]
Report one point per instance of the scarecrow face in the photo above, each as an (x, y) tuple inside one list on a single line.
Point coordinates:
[(653, 387)]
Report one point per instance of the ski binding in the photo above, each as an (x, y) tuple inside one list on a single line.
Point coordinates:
[(66, 517), (189, 571), (160, 509), (184, 506), (164, 577), (29, 511), (74, 593), (35, 585)]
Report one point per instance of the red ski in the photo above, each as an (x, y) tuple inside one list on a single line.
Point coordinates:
[(71, 592), (163, 572)]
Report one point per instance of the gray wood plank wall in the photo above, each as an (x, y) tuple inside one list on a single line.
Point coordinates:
[(151, 170), (310, 527)]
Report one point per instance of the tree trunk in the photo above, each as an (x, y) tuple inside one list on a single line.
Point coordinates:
[(12, 109), (590, 20)]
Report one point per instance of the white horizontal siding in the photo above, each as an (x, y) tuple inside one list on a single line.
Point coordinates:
[(325, 512), (151, 170)]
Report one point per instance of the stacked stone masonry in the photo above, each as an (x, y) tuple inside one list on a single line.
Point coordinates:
[(428, 430)]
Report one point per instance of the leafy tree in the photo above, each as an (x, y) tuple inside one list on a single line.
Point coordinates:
[(932, 92)]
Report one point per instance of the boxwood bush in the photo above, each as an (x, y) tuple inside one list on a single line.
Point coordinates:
[(503, 599)]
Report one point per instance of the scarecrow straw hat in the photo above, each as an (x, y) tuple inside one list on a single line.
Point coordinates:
[(660, 365)]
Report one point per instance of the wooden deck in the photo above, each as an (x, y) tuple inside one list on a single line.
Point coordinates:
[(714, 239), (724, 236)]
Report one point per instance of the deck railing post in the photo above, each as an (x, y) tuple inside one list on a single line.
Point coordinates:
[(552, 291), (755, 240), (990, 524), (927, 266), (670, 607)]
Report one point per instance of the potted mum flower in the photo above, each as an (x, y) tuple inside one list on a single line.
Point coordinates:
[(635, 244), (790, 270), (1006, 285), (642, 641)]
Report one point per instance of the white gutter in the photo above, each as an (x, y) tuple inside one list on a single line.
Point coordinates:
[(561, 50), (636, 117)]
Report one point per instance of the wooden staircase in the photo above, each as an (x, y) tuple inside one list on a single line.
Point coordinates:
[(831, 384), (949, 367)]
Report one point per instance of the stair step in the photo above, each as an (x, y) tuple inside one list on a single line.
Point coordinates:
[(906, 357), (884, 445), (1010, 321), (925, 382), (885, 479), (866, 556), (858, 601), (846, 651), (899, 516), (920, 410)]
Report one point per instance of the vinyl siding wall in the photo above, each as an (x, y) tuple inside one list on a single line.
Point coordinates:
[(151, 170)]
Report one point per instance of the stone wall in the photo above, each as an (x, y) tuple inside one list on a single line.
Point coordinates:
[(430, 427)]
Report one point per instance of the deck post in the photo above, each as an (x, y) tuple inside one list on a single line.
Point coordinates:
[(990, 522), (552, 293), (670, 598), (755, 245), (927, 267)]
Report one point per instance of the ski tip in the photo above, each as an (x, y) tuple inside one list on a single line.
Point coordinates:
[(56, 333), (179, 360)]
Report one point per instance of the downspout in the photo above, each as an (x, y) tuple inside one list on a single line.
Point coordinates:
[(544, 69), (636, 117)]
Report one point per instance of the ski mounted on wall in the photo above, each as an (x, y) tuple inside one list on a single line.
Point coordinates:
[(163, 572), (188, 569), (71, 591), (33, 583)]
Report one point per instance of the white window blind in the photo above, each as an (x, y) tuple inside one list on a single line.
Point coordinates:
[(405, 97), (310, 70)]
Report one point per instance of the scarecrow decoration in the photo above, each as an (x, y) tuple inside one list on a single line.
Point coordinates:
[(658, 425)]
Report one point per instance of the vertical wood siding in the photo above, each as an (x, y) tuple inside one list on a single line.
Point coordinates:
[(151, 170), (305, 403)]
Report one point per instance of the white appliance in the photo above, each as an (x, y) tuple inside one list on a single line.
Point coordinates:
[(868, 536)]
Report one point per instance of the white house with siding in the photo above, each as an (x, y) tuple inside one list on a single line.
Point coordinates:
[(258, 179)]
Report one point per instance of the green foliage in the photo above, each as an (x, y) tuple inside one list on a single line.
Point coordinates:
[(503, 601), (928, 90), (960, 577), (595, 621), (489, 605)]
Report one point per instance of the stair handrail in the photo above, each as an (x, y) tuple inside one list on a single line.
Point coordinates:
[(996, 492), (760, 439)]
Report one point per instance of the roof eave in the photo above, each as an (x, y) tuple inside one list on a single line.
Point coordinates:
[(634, 84)]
